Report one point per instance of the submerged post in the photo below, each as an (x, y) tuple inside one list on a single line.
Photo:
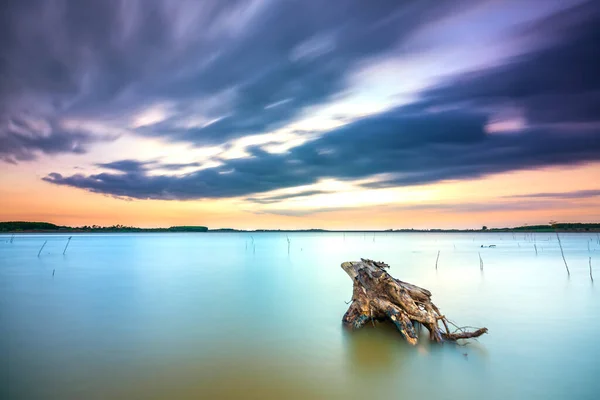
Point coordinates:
[(42, 248), (563, 254), (67, 245)]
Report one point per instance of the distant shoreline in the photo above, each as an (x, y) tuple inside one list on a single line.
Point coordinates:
[(15, 227)]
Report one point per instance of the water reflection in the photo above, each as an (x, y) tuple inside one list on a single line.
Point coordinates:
[(373, 350)]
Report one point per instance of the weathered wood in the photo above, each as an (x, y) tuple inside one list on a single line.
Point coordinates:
[(377, 296)]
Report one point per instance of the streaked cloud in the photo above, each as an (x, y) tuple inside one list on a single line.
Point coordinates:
[(24, 138), (412, 147), (576, 194), (261, 102), (200, 72)]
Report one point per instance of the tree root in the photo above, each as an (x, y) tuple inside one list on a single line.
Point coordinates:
[(377, 296)]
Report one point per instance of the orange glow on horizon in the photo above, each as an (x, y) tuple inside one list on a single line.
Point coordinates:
[(24, 196)]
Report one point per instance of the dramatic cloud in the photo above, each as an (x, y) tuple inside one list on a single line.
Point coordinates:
[(412, 147), (213, 71), (200, 72)]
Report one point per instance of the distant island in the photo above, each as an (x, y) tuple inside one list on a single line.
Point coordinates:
[(46, 227), (22, 226)]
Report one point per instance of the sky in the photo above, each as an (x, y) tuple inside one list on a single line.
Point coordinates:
[(295, 114)]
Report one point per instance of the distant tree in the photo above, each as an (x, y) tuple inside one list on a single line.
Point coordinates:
[(484, 228)]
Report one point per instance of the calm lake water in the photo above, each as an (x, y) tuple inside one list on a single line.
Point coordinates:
[(227, 315)]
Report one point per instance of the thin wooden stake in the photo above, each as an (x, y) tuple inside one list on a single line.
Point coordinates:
[(591, 277), (436, 260), (563, 254), (480, 262), (535, 247), (42, 248), (68, 241)]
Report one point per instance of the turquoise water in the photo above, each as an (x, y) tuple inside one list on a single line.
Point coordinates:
[(227, 315)]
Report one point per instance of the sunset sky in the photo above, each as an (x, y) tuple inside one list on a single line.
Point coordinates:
[(339, 114)]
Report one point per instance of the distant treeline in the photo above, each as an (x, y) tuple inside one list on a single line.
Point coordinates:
[(559, 226), (21, 226)]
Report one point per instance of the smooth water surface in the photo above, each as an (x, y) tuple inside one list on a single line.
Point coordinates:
[(233, 315)]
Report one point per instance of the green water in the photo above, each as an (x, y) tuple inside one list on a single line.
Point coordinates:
[(214, 315)]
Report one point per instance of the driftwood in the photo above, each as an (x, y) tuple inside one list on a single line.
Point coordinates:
[(377, 296)]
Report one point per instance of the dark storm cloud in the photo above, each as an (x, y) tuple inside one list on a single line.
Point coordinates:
[(242, 66)]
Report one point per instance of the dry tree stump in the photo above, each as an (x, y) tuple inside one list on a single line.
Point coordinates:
[(377, 296)]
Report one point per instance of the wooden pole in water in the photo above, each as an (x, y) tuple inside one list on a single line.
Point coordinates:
[(42, 248), (480, 262), (436, 260), (68, 241), (591, 277), (535, 247), (563, 254)]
